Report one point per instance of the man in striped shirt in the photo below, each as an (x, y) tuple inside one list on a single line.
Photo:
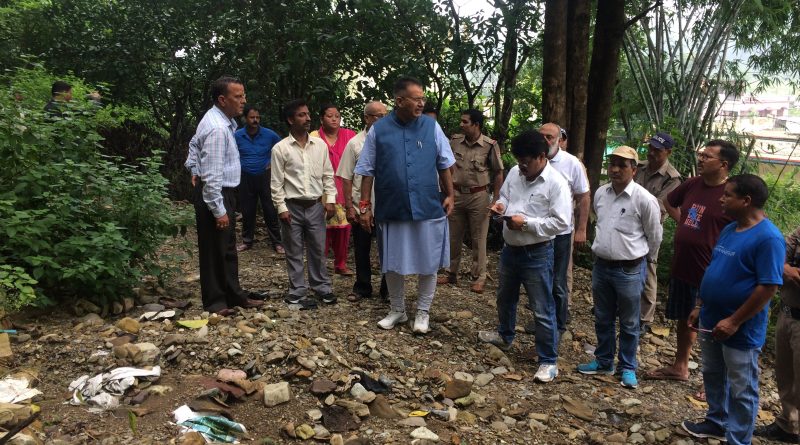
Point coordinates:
[(218, 170)]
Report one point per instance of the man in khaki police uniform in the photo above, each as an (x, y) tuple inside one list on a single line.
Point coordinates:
[(478, 165), (659, 177)]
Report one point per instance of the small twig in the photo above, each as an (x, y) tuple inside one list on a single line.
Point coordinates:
[(13, 431)]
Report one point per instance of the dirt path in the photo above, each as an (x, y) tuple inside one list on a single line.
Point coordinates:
[(508, 409)]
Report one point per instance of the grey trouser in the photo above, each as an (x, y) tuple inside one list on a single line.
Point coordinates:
[(306, 232)]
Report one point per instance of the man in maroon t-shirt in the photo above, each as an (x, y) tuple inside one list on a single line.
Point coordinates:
[(696, 208)]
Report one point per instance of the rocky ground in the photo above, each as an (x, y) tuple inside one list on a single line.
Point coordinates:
[(469, 393)]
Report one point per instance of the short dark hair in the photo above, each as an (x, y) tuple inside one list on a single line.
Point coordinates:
[(430, 107), (325, 107), (248, 108), (59, 86), (529, 143), (403, 83), (291, 108), (219, 87), (727, 151), (753, 186), (475, 116)]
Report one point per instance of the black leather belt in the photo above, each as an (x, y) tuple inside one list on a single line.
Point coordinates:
[(790, 311), (527, 247), (617, 263), (305, 203)]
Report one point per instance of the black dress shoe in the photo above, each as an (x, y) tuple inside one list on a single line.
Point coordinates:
[(248, 303), (774, 432), (259, 295)]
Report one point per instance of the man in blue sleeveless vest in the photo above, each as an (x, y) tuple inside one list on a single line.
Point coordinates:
[(404, 156)]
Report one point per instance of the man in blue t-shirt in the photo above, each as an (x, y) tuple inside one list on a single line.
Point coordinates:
[(745, 271), (255, 148)]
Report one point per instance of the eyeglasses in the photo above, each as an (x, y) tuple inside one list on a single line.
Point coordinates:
[(704, 157), (419, 100)]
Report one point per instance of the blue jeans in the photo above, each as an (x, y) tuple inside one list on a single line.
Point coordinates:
[(617, 292), (562, 249), (730, 377), (532, 268)]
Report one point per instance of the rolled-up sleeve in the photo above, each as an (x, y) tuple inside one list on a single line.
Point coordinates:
[(212, 162), (366, 162), (328, 184), (559, 212), (278, 177), (191, 159), (445, 157), (651, 223)]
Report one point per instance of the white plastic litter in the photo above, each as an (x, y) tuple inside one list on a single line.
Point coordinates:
[(15, 390), (104, 389)]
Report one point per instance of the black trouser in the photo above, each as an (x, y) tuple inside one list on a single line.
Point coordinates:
[(362, 243), (219, 264), (252, 190)]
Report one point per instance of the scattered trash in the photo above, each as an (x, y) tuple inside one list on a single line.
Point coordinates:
[(16, 389), (213, 428), (103, 390), (162, 315), (193, 324), (370, 384)]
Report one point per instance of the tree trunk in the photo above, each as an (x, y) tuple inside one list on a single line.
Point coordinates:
[(577, 74), (608, 33), (554, 69)]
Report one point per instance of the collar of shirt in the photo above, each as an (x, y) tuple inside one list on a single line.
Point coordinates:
[(295, 142), (231, 121), (661, 170), (481, 141), (244, 132), (628, 188)]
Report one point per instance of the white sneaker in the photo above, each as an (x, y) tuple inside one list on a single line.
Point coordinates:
[(546, 373), (421, 323), (392, 319)]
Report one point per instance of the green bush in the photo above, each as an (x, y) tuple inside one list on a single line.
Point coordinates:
[(76, 223)]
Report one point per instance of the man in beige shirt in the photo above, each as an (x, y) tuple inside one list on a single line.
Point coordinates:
[(351, 183), (478, 167), (301, 175), (659, 177)]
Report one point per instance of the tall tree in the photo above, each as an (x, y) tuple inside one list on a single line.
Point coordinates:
[(608, 34), (577, 69), (554, 69), (519, 18)]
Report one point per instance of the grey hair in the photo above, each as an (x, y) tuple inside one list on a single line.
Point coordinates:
[(370, 103)]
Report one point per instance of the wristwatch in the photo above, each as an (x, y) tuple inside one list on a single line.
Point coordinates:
[(525, 226)]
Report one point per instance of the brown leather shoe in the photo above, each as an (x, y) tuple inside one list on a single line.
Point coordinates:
[(477, 287), (346, 272), (249, 303), (447, 279), (227, 312)]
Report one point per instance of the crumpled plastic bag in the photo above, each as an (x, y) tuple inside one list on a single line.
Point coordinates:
[(103, 390), (212, 427), (15, 390)]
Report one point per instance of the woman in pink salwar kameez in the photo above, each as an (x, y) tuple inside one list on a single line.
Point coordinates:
[(338, 229)]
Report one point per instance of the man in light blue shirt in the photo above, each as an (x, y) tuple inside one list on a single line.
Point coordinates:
[(218, 172)]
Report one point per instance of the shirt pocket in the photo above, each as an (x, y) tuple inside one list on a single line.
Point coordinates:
[(628, 223), (460, 160)]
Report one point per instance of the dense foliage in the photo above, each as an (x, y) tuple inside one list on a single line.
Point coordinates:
[(76, 222)]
